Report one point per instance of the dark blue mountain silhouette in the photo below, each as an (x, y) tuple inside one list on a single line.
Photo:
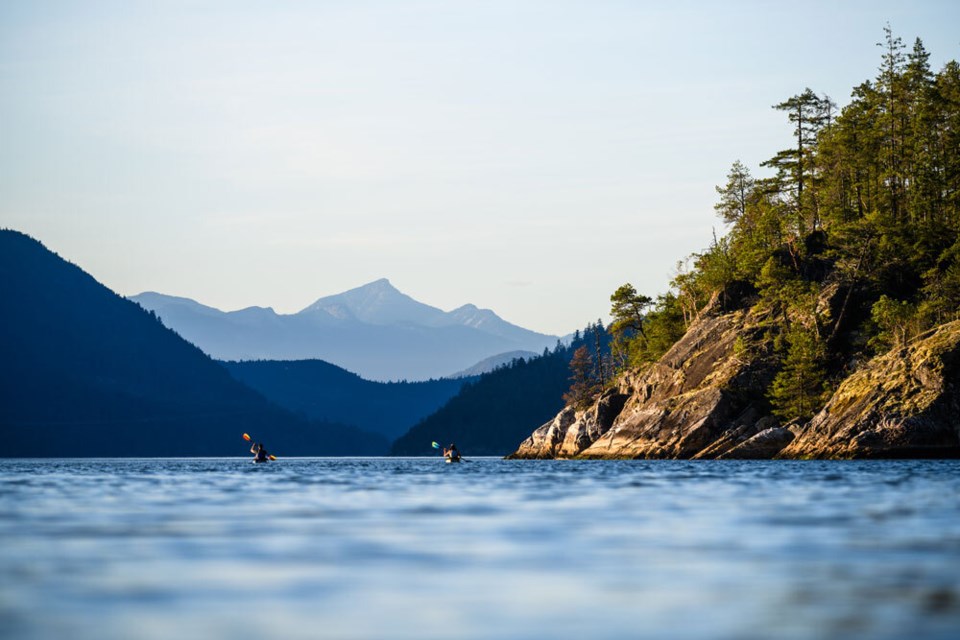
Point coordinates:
[(85, 372), (323, 391)]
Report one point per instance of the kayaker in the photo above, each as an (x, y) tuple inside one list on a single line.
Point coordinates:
[(260, 452), (451, 453)]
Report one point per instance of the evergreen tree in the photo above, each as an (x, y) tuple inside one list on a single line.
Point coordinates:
[(795, 167), (736, 194), (799, 390), (601, 363), (583, 385), (628, 308), (891, 118), (852, 245), (941, 289), (896, 320), (629, 335)]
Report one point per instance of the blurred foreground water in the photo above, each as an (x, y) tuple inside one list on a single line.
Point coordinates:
[(414, 548)]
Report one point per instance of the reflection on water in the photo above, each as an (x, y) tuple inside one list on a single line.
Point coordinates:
[(414, 548)]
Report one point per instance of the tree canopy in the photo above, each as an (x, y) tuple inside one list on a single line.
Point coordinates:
[(852, 242)]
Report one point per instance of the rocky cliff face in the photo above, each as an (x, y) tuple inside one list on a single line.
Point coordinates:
[(905, 403), (571, 431), (705, 399), (689, 402)]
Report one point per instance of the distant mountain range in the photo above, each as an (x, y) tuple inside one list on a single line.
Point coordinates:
[(375, 331), (85, 372)]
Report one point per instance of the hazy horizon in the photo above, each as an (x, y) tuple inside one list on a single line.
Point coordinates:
[(523, 157)]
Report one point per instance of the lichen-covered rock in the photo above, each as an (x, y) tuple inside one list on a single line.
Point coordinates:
[(902, 404)]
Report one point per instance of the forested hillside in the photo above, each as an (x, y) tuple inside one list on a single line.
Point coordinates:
[(319, 390), (490, 416), (849, 244), (86, 372)]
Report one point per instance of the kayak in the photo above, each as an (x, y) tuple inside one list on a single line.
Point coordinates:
[(449, 460), (255, 461)]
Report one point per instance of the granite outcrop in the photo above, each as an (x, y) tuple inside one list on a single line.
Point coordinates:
[(705, 399)]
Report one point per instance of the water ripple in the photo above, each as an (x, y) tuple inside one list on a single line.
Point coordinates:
[(395, 548)]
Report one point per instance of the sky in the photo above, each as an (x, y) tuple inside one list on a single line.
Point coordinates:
[(524, 156)]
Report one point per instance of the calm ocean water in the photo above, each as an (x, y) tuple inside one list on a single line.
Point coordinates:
[(414, 548)]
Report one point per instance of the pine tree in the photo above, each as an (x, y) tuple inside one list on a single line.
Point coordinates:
[(795, 167), (627, 309), (736, 194), (852, 244), (891, 119)]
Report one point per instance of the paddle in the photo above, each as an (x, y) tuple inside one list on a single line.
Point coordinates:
[(437, 446), (247, 438)]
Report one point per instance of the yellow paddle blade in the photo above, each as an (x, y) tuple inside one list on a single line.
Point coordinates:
[(246, 437), (273, 457)]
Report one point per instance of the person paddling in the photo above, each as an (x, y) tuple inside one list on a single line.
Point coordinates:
[(260, 452), (451, 453)]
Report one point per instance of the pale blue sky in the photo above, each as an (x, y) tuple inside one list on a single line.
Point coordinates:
[(528, 157)]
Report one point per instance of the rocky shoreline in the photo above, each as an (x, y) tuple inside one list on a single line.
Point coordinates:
[(704, 400)]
